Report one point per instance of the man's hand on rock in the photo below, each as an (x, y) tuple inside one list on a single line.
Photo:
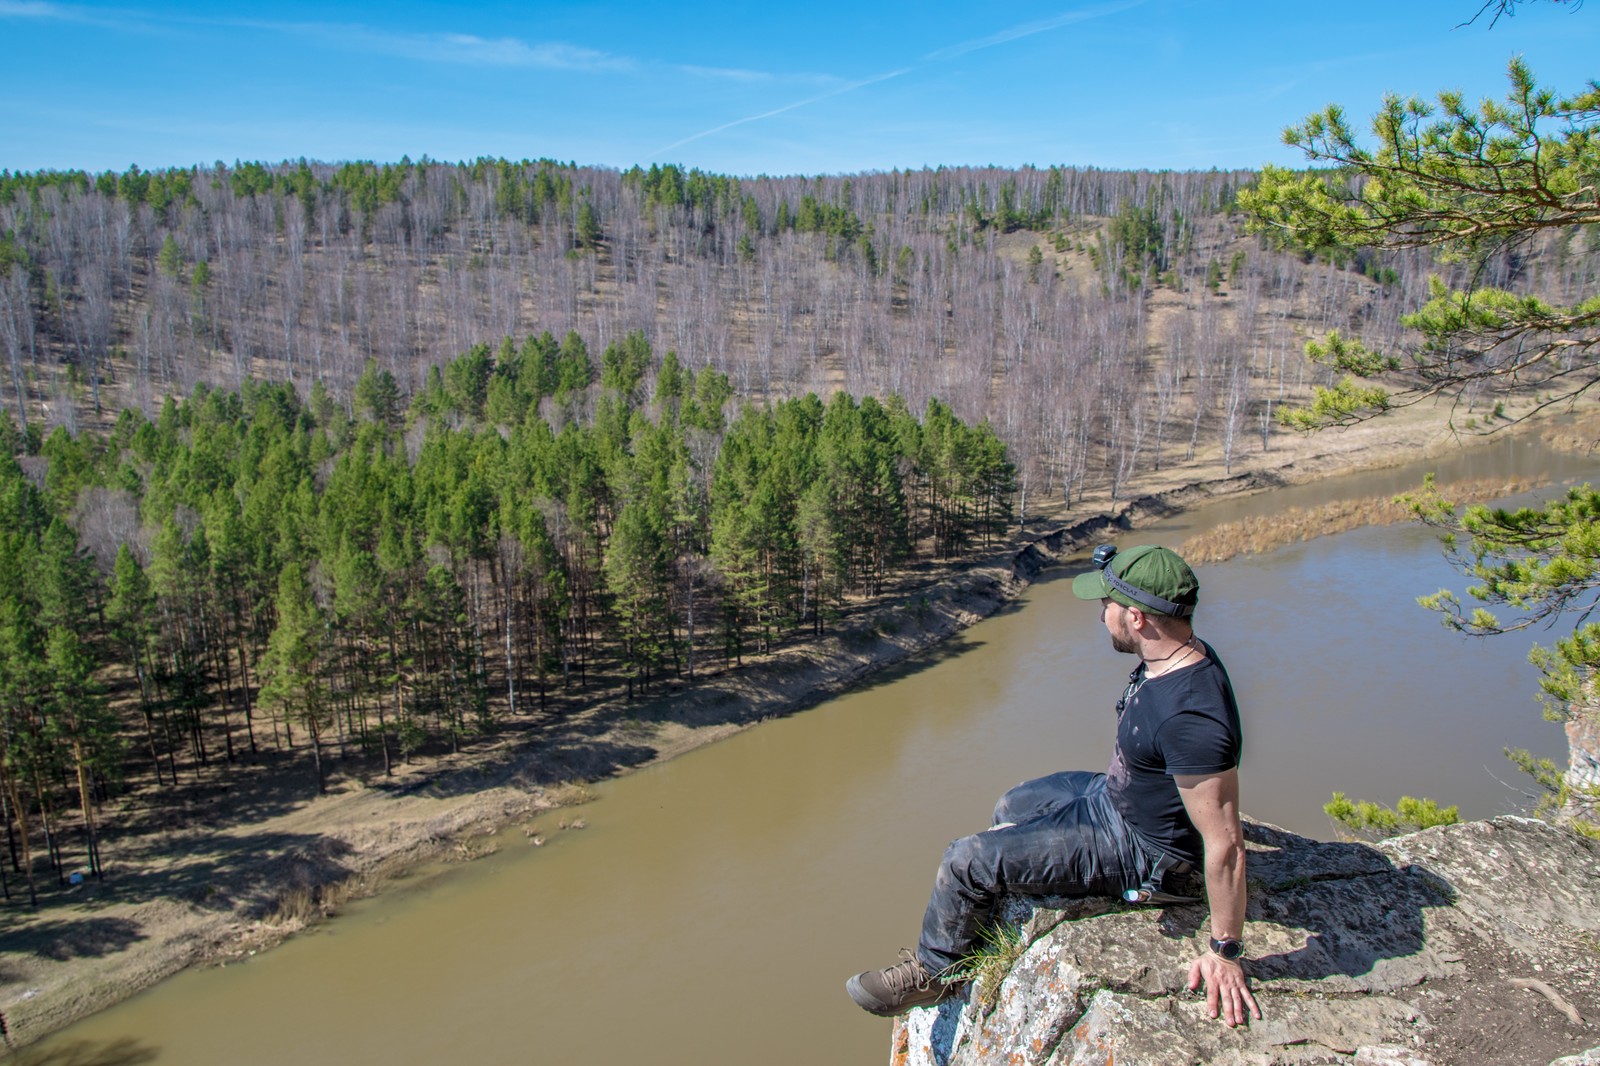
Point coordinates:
[(1225, 987)]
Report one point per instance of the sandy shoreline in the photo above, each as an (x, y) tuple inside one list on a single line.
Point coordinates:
[(245, 870)]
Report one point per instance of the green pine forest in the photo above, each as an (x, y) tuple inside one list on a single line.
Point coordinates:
[(357, 590)]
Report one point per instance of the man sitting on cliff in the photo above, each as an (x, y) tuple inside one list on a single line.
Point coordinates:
[(1170, 800)]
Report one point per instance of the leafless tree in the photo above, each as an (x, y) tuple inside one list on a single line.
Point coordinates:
[(912, 284), (17, 334)]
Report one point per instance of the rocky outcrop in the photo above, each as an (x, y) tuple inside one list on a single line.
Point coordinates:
[(1473, 943)]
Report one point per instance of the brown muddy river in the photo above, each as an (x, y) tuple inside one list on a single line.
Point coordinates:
[(713, 908)]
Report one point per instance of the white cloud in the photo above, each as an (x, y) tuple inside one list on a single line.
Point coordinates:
[(504, 51), (451, 47), (729, 73), (444, 47), (32, 9), (43, 10)]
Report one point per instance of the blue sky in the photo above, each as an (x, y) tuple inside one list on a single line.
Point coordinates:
[(824, 87)]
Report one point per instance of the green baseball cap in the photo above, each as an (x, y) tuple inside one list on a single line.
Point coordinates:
[(1149, 577)]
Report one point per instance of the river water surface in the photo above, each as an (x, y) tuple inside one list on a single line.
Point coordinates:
[(715, 904)]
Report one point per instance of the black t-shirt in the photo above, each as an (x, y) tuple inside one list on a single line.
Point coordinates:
[(1185, 722)]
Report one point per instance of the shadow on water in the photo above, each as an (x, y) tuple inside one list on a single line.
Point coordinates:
[(573, 745), (1061, 572), (730, 709), (927, 659), (126, 1052)]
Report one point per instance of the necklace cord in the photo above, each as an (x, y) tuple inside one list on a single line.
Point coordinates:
[(1136, 680), (1188, 644)]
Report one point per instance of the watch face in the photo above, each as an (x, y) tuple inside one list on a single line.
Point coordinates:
[(1228, 949)]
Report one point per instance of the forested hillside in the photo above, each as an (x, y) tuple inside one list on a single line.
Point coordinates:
[(306, 461), (1103, 322)]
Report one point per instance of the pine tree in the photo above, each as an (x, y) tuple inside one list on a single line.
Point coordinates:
[(377, 395), (1474, 182), (130, 614), (292, 669)]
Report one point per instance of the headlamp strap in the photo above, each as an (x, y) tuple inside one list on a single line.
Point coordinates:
[(1148, 599)]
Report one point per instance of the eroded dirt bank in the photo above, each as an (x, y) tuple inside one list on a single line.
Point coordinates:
[(249, 866)]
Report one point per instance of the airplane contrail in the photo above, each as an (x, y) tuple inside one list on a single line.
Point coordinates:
[(1027, 29)]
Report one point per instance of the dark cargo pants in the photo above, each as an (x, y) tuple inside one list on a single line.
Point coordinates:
[(1066, 839)]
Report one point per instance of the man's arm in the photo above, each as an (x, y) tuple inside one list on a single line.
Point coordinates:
[(1212, 801)]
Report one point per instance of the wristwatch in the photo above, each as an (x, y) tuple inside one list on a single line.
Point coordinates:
[(1230, 948)]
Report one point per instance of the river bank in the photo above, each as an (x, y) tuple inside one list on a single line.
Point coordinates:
[(247, 870)]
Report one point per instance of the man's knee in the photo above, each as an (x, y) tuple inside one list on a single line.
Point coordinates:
[(1003, 814), (1041, 795), (1021, 802), (968, 865)]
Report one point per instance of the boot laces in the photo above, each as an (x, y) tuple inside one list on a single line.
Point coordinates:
[(908, 974)]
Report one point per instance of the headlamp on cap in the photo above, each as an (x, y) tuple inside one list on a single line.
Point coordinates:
[(1102, 562)]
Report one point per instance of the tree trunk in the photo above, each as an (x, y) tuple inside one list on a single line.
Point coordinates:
[(91, 840), (316, 752), (9, 784)]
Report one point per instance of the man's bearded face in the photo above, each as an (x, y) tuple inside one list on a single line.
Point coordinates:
[(1115, 616)]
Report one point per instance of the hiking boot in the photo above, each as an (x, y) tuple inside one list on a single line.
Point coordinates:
[(898, 988)]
